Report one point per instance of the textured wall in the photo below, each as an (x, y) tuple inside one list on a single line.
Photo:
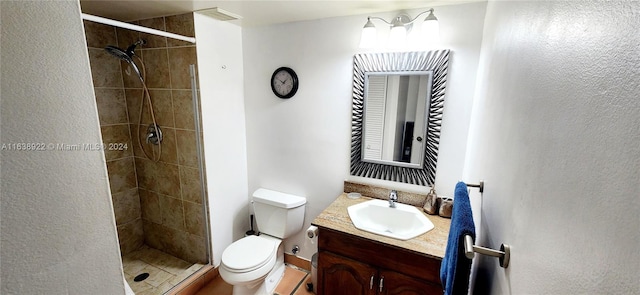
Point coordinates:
[(106, 74), (555, 134), (58, 230), (302, 145)]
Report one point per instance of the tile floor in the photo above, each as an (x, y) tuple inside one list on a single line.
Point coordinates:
[(294, 282), (165, 271)]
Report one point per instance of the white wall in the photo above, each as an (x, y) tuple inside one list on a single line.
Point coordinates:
[(555, 134), (302, 145), (219, 50), (58, 228)]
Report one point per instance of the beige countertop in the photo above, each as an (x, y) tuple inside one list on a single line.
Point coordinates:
[(433, 243)]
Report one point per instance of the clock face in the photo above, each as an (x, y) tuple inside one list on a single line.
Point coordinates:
[(284, 82)]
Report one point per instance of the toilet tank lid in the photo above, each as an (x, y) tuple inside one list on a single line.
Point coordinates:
[(278, 199)]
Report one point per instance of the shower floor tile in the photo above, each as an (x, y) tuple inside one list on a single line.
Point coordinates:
[(165, 271)]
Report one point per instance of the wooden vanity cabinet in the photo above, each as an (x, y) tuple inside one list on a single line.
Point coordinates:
[(344, 276), (350, 265)]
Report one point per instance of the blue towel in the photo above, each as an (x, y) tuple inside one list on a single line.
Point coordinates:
[(456, 267)]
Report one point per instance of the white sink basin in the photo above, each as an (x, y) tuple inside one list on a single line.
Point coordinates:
[(403, 222)]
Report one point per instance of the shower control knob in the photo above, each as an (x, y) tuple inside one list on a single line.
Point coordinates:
[(154, 134)]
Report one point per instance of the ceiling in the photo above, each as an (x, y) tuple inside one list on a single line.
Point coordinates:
[(254, 13)]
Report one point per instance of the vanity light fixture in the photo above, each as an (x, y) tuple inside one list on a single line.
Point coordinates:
[(400, 31)]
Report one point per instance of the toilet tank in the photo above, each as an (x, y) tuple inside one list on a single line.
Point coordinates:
[(278, 214)]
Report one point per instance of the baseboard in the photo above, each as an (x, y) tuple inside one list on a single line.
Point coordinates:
[(297, 261)]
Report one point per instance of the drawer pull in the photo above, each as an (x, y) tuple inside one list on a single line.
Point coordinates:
[(371, 283), (381, 284)]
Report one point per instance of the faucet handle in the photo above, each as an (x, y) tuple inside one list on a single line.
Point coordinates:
[(393, 198)]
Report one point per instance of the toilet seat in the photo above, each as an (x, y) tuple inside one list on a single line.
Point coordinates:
[(248, 254)]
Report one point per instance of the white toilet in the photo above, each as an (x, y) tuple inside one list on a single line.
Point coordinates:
[(255, 264)]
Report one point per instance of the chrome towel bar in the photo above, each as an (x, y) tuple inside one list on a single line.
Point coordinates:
[(503, 255)]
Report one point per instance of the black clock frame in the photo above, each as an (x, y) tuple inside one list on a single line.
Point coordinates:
[(295, 82)]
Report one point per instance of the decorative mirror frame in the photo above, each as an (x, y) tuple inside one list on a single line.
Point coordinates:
[(436, 61)]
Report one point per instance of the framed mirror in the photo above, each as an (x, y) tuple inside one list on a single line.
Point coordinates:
[(398, 98)]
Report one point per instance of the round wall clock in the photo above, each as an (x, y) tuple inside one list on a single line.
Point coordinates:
[(284, 82)]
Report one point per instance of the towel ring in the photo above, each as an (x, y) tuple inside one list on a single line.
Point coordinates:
[(503, 255)]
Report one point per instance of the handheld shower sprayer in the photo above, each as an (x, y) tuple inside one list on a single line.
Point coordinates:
[(127, 55), (154, 134)]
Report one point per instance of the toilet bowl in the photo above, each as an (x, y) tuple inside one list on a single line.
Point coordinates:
[(255, 264)]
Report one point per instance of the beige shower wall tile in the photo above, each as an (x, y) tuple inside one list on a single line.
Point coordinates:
[(183, 109), (178, 244), (105, 69), (168, 147), (153, 41), (194, 218), (179, 60), (194, 249), (190, 184), (133, 97), (129, 76), (122, 176), (130, 236), (157, 68), (127, 37), (126, 206), (137, 133), (117, 142), (155, 235), (162, 108), (99, 35), (162, 238), (181, 244), (181, 24), (150, 206), (159, 177), (112, 106), (172, 212), (186, 144)]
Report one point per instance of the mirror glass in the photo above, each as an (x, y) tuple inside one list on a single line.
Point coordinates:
[(395, 113), (398, 98)]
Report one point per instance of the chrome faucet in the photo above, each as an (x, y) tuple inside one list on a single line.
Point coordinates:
[(393, 198)]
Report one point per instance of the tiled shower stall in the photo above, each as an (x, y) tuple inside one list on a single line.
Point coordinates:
[(157, 204)]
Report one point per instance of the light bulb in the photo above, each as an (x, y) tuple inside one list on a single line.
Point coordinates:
[(369, 36), (398, 35), (431, 30)]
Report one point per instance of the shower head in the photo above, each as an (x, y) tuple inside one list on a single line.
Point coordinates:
[(126, 55), (119, 53), (132, 47)]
